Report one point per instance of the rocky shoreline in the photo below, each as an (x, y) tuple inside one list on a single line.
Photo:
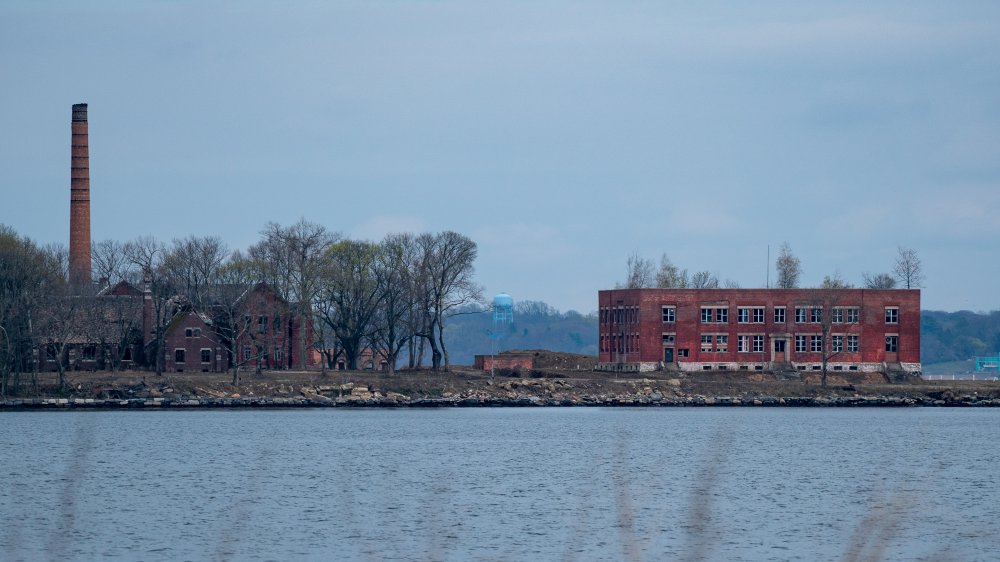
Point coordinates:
[(466, 387), (357, 396)]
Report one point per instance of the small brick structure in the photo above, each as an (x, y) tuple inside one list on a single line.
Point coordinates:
[(506, 360)]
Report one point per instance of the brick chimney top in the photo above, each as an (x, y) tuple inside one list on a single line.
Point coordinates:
[(80, 112)]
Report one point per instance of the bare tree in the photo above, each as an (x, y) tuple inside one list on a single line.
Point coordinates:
[(111, 263), (147, 255), (28, 273), (638, 273), (788, 268), (879, 280), (704, 280), (349, 295), (292, 261), (669, 276), (908, 269), (115, 324), (827, 308), (231, 284), (395, 268), (450, 273), (62, 315), (193, 262), (835, 281)]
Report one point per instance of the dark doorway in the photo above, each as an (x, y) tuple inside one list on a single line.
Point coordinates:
[(779, 350)]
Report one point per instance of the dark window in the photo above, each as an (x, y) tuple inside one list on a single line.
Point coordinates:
[(669, 314), (891, 343), (722, 315), (892, 316), (779, 315), (706, 343), (262, 324), (758, 316), (188, 332), (838, 316), (178, 356), (206, 355)]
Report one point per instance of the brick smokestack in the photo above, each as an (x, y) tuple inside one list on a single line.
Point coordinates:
[(79, 201)]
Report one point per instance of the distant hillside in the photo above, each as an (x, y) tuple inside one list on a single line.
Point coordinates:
[(536, 326), (945, 336), (957, 336)]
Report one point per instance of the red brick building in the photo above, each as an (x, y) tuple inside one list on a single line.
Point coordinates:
[(271, 338), (759, 329), (191, 344), (505, 360)]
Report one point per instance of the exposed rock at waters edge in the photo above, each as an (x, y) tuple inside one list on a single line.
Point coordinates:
[(468, 388)]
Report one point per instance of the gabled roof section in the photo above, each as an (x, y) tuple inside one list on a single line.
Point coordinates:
[(121, 289)]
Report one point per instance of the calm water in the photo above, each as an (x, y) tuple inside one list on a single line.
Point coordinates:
[(502, 484)]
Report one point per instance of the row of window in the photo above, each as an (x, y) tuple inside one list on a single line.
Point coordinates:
[(744, 315), (754, 343), (803, 315), (620, 343), (620, 315), (262, 324), (180, 354), (719, 343)]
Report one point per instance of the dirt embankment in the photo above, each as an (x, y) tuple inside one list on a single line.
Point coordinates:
[(463, 386)]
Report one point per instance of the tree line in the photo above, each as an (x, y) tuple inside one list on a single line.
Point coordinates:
[(643, 273), (394, 295)]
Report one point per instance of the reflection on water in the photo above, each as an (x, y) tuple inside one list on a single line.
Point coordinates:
[(502, 484)]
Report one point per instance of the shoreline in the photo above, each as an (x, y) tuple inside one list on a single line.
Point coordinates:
[(465, 387), (147, 404)]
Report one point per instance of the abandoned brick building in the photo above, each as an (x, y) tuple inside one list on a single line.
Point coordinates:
[(760, 329), (115, 325)]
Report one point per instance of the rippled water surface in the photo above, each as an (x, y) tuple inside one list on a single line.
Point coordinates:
[(502, 484)]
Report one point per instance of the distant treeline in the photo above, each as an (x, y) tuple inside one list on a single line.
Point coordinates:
[(944, 337), (536, 326), (957, 336)]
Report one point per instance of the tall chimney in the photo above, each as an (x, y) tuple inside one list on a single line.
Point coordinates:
[(79, 201)]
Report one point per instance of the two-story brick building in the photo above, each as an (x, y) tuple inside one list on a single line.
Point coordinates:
[(759, 329)]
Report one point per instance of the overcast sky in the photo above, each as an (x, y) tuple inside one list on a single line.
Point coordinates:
[(561, 137)]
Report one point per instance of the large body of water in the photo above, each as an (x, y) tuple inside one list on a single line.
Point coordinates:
[(502, 484)]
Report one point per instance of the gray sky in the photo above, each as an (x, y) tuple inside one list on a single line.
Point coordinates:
[(559, 136)]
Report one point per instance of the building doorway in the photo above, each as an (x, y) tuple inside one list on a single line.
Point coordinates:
[(668, 355), (780, 355)]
